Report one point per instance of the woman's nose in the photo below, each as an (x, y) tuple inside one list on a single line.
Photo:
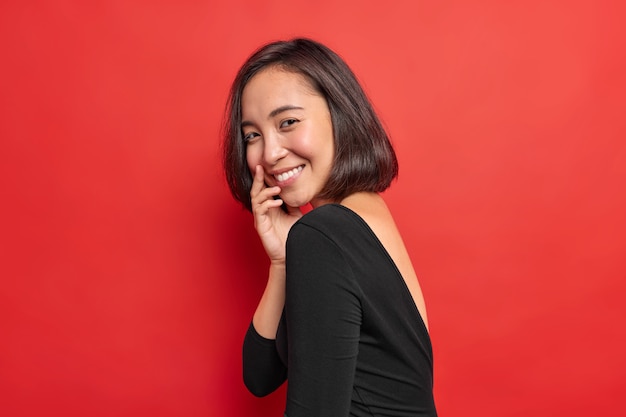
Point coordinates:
[(273, 150)]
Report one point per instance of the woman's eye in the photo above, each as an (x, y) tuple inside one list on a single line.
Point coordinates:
[(249, 136), (288, 122)]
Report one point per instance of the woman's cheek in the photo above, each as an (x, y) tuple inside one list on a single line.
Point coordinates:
[(252, 160)]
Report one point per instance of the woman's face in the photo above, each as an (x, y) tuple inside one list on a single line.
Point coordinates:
[(288, 131)]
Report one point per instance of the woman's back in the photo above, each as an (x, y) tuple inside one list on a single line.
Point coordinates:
[(373, 210), (356, 341)]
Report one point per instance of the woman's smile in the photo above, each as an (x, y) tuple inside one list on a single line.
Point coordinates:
[(286, 178)]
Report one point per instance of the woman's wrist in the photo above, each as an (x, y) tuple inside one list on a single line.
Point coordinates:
[(278, 270), (277, 264)]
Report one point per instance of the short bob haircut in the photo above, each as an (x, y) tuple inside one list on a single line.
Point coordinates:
[(364, 157)]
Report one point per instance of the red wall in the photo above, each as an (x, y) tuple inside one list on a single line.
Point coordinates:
[(129, 276)]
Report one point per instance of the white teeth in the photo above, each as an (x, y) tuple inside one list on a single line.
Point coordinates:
[(286, 175)]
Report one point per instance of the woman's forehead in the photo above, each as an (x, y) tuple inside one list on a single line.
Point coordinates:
[(275, 87)]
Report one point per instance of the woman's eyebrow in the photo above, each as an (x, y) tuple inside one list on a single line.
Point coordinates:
[(281, 109), (273, 113)]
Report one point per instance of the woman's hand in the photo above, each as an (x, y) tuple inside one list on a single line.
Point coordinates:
[(271, 222)]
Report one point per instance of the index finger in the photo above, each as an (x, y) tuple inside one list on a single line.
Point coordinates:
[(257, 182)]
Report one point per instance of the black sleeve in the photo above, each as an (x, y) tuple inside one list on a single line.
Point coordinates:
[(263, 370), (323, 313)]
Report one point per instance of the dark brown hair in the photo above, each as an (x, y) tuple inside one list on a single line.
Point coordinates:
[(364, 157)]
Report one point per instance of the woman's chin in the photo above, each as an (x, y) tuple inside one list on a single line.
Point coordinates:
[(295, 205), (295, 202)]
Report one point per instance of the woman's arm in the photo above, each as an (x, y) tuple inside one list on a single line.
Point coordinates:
[(323, 313), (263, 371), (270, 307), (273, 225)]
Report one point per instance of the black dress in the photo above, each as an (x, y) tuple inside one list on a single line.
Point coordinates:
[(351, 341)]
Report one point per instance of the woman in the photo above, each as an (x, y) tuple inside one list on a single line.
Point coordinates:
[(342, 317)]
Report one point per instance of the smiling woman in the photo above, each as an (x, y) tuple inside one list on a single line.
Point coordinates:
[(342, 317)]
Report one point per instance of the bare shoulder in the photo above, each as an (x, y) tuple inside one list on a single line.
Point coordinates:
[(372, 208)]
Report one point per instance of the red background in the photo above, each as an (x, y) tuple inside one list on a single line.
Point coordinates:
[(129, 275)]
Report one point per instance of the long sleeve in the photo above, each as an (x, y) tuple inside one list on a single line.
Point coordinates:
[(263, 370), (323, 313)]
